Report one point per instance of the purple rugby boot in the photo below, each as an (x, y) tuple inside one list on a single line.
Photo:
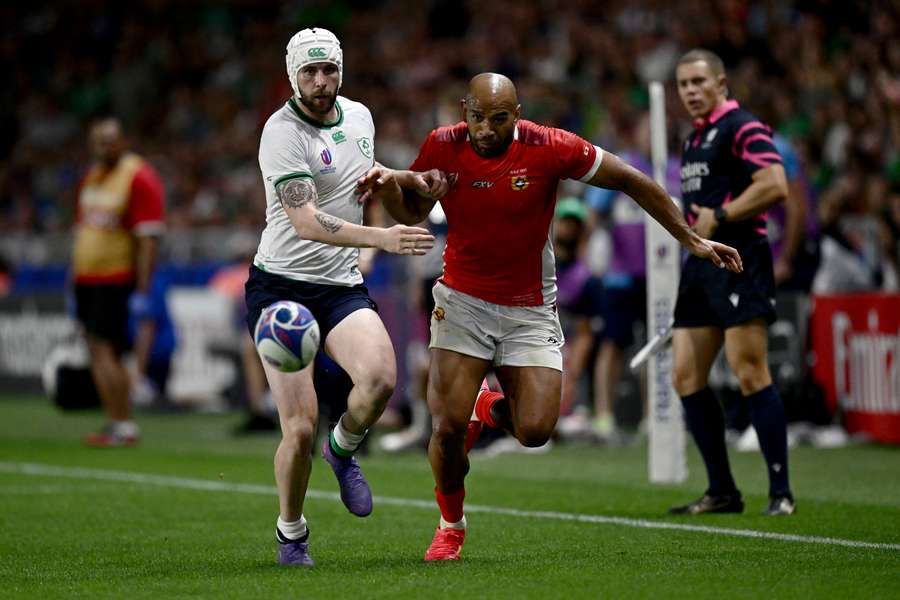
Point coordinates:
[(294, 554), (355, 492)]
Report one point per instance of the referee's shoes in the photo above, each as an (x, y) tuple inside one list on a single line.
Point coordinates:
[(781, 505), (732, 503), (711, 503)]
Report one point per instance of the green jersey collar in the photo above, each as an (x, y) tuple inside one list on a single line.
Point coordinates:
[(320, 124)]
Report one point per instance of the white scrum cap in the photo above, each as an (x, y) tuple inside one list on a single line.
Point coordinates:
[(313, 46)]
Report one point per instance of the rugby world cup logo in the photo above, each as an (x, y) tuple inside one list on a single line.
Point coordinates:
[(326, 156)]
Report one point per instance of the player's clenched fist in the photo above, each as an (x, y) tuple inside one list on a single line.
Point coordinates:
[(431, 184), (403, 239)]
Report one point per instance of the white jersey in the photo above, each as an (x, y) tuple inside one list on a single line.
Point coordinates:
[(334, 155)]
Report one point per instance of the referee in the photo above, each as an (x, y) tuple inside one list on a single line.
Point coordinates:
[(731, 174)]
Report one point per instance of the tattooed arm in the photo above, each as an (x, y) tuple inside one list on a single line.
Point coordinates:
[(299, 199)]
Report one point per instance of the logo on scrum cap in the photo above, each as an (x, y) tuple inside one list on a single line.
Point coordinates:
[(317, 53)]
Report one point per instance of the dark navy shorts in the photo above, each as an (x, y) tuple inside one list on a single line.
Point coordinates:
[(712, 297), (103, 311), (329, 304)]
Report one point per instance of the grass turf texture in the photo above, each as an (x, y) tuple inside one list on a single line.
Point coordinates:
[(63, 536)]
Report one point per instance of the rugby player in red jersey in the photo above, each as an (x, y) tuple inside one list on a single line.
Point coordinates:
[(495, 302)]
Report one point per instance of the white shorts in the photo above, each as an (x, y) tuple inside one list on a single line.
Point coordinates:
[(513, 336)]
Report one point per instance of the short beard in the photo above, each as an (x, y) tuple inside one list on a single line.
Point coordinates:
[(314, 110), (493, 152)]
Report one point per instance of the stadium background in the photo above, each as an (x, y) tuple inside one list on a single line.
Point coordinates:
[(194, 82)]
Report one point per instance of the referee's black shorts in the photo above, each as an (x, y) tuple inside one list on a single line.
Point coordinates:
[(712, 297)]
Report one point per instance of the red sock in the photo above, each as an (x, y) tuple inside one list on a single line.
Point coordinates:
[(473, 430), (486, 401), (451, 504)]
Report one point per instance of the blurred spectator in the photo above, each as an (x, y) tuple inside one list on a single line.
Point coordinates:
[(793, 229), (853, 246), (153, 338), (425, 272), (624, 300), (120, 218), (578, 297), (229, 282)]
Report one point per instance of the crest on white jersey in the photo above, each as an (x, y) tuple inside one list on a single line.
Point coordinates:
[(365, 146)]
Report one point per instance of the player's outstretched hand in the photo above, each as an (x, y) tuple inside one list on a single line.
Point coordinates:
[(376, 179), (721, 255), (403, 239)]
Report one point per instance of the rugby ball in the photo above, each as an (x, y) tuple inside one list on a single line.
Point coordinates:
[(287, 336)]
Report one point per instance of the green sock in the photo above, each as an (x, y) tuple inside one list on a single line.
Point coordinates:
[(335, 447)]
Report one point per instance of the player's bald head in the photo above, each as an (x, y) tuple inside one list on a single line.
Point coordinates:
[(491, 110), (492, 91)]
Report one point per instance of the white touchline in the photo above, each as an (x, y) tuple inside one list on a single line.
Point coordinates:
[(44, 470)]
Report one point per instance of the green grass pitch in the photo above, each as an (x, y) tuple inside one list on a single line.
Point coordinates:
[(190, 513)]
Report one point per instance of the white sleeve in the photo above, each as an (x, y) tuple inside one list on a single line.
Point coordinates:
[(598, 158), (283, 154)]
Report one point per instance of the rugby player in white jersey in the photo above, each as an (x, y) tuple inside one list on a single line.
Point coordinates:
[(311, 154)]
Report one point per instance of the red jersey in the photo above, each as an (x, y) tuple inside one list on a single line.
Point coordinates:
[(499, 209), (114, 206)]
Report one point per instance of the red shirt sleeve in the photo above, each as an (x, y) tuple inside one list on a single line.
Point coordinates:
[(146, 206), (576, 156), (425, 160)]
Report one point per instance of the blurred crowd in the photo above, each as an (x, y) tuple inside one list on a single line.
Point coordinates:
[(194, 83)]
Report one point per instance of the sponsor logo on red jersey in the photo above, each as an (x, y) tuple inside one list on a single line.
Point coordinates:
[(519, 182)]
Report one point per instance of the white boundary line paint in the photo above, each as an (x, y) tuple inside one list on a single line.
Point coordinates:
[(43, 470)]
